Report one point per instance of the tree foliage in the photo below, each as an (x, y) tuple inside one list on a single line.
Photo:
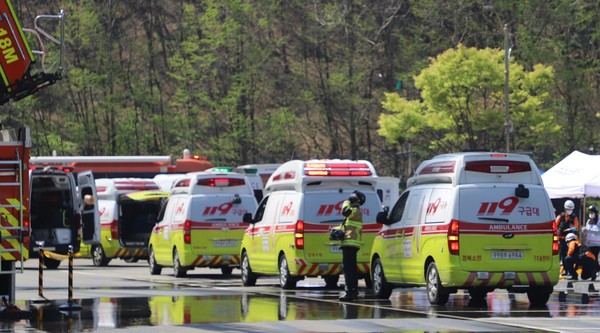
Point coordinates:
[(246, 81), (462, 107)]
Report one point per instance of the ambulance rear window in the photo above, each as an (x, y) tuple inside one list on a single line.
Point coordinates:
[(498, 166), (221, 182)]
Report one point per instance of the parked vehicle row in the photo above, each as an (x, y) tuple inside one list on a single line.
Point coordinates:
[(472, 221)]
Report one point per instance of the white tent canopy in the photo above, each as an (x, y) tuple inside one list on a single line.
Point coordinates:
[(576, 176)]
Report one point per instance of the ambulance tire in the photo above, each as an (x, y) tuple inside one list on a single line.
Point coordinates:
[(286, 280), (51, 263), (226, 271), (178, 270), (131, 259), (539, 296), (381, 288), (248, 278), (99, 258), (436, 293), (331, 281), (155, 269)]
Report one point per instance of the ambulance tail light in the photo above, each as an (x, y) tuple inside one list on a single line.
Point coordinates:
[(114, 229), (299, 235), (453, 231), (187, 232), (555, 248)]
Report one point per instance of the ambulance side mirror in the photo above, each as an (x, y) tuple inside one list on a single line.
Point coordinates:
[(247, 218), (521, 191), (382, 217)]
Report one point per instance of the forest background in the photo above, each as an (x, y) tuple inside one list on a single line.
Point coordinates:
[(266, 81)]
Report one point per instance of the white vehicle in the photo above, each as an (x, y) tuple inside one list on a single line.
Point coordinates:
[(128, 208), (166, 180), (289, 232), (253, 178), (201, 223), (388, 190), (59, 216), (473, 221)]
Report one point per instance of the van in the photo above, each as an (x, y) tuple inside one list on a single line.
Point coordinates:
[(388, 190), (473, 221), (60, 217), (201, 223), (128, 208), (288, 234)]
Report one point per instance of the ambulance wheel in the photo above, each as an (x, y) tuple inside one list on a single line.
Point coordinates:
[(248, 278), (131, 259), (331, 281), (155, 268), (436, 293), (381, 288), (226, 271), (99, 258), (539, 296), (51, 263), (286, 281), (178, 270)]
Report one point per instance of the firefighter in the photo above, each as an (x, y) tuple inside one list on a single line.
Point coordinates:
[(579, 255), (351, 242)]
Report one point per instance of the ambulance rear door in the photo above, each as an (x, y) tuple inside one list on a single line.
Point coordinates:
[(217, 226), (321, 212), (90, 216), (500, 231)]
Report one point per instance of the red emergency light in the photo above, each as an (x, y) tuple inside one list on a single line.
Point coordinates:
[(221, 182), (438, 167), (495, 166), (337, 169)]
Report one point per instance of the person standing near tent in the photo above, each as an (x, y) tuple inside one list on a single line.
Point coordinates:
[(591, 233), (566, 223)]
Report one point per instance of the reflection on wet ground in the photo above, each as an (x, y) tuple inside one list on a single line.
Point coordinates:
[(303, 304)]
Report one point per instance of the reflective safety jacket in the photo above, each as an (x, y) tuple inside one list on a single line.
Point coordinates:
[(352, 226)]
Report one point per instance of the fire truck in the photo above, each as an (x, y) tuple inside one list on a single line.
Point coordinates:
[(21, 75)]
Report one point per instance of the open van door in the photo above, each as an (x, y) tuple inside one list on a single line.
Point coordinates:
[(90, 216)]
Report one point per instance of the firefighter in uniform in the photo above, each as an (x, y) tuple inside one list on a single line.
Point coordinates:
[(351, 242)]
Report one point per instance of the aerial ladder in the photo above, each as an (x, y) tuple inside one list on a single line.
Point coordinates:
[(22, 75)]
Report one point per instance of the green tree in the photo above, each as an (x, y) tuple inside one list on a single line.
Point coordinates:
[(462, 104)]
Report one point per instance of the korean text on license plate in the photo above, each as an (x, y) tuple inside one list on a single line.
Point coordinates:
[(225, 243), (335, 249), (506, 255)]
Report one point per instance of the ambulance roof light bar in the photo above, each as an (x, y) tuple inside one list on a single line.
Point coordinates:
[(294, 175)]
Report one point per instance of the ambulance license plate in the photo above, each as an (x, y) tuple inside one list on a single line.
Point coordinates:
[(335, 249), (507, 255), (225, 243)]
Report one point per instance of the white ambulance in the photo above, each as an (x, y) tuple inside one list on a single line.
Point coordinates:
[(289, 232), (128, 208), (201, 223), (474, 221)]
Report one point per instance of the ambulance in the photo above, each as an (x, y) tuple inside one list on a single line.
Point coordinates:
[(288, 234), (128, 208), (474, 221), (60, 217), (201, 223)]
